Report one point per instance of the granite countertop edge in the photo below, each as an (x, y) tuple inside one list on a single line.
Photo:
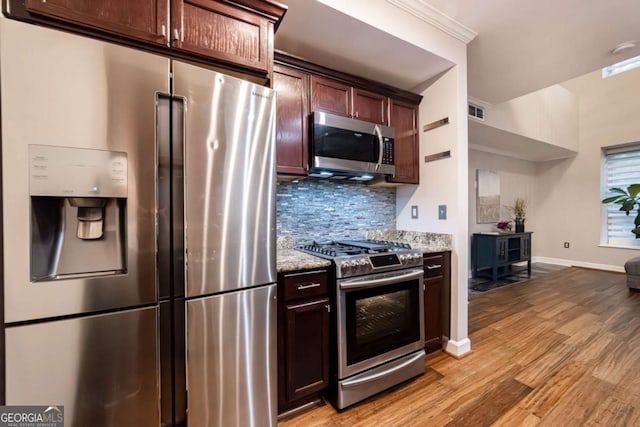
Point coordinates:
[(292, 260), (427, 242)]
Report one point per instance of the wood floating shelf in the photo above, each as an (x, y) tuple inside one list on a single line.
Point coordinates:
[(436, 124), (437, 156)]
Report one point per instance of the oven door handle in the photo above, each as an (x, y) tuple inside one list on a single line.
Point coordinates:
[(386, 280), (369, 378)]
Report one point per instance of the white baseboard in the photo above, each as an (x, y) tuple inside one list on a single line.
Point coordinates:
[(458, 348), (573, 263)]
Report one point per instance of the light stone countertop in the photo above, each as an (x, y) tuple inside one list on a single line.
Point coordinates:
[(289, 259), (425, 241), (292, 260)]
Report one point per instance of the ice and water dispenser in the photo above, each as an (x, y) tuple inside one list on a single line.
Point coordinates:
[(78, 212)]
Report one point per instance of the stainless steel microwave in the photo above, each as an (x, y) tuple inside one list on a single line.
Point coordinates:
[(345, 147)]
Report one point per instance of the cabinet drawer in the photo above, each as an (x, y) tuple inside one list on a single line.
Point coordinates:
[(433, 265), (305, 285)]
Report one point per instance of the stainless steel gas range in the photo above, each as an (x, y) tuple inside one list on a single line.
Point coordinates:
[(380, 317)]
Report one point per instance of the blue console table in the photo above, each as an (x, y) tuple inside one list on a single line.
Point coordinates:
[(492, 254)]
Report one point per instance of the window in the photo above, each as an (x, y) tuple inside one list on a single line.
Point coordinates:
[(621, 67), (476, 112), (621, 167)]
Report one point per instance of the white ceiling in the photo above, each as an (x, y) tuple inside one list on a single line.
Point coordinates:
[(521, 46), (325, 36)]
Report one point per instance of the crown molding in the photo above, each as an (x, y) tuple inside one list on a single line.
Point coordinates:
[(427, 13)]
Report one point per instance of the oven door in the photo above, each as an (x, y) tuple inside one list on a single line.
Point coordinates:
[(380, 318)]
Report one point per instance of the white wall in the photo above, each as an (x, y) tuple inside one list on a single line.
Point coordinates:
[(567, 192), (517, 179), (549, 115), (443, 182)]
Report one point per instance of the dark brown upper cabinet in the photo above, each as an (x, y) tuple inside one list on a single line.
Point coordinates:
[(144, 20), (219, 30), (292, 109), (334, 97), (369, 106), (404, 120), (235, 34), (330, 96), (345, 95)]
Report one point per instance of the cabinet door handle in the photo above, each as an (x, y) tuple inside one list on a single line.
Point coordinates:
[(433, 266), (176, 34), (309, 286), (357, 114), (328, 307)]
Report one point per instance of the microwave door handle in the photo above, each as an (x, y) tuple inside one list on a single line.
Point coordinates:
[(378, 132)]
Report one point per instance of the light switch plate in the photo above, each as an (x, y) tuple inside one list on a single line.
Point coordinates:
[(414, 212), (442, 211)]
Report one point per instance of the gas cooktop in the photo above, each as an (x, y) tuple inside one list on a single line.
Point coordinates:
[(353, 247), (357, 257)]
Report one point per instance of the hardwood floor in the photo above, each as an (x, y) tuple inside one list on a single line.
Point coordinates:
[(562, 350)]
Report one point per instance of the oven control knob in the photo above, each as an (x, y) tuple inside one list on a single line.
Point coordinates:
[(362, 262), (403, 258)]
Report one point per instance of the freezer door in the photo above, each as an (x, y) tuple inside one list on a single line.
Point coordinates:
[(231, 359), (103, 369), (64, 90), (229, 181)]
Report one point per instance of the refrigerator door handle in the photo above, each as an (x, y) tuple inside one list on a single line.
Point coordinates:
[(170, 120), (178, 215)]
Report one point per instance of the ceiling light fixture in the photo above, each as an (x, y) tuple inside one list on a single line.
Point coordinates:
[(623, 46)]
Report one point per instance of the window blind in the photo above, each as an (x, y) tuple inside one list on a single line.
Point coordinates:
[(622, 168)]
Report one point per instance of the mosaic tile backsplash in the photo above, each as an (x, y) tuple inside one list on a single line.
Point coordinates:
[(319, 210)]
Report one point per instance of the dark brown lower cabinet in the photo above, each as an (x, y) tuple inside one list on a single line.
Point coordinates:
[(432, 313), (437, 299), (307, 348), (303, 338)]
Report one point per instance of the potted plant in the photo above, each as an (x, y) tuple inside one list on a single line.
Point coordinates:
[(627, 199), (519, 210)]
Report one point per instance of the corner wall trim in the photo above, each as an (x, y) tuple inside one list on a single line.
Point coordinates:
[(458, 348), (573, 263), (432, 16)]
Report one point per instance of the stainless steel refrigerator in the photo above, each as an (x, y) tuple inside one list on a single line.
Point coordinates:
[(138, 215)]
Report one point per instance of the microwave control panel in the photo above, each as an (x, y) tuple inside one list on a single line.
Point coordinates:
[(387, 154)]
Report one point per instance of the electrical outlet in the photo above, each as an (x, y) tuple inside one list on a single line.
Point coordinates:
[(442, 211), (566, 245), (414, 212)]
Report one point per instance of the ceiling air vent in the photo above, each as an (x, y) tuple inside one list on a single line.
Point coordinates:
[(476, 112)]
